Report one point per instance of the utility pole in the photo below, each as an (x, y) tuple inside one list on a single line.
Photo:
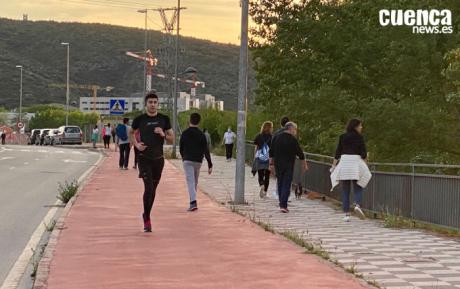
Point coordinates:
[(20, 95), (68, 88), (176, 68), (242, 103), (145, 49)]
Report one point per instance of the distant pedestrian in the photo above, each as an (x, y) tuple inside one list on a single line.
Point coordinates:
[(193, 147), (351, 170), (95, 135), (283, 152), (262, 144), (3, 136), (154, 129), (228, 140), (114, 134), (107, 134), (123, 142), (208, 139)]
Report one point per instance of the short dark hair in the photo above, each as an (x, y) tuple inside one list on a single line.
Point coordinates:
[(125, 120), (149, 95), (353, 124), (284, 120), (195, 118)]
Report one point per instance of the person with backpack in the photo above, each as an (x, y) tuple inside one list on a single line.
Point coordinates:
[(123, 141), (262, 144)]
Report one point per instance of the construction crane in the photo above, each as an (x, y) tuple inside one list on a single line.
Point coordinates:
[(150, 63), (92, 87)]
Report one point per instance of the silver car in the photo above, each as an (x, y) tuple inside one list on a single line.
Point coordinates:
[(70, 135)]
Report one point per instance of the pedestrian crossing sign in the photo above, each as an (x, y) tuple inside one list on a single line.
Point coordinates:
[(117, 106)]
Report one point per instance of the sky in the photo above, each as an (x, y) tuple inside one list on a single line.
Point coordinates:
[(216, 20)]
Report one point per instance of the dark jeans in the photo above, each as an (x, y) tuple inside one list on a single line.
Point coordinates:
[(284, 181), (3, 139), (124, 155), (264, 178), (346, 189), (229, 150), (107, 141), (150, 172)]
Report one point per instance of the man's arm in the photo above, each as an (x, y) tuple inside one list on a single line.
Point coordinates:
[(169, 136), (207, 155), (132, 138)]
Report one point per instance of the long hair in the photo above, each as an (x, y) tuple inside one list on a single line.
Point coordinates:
[(266, 127), (353, 124)]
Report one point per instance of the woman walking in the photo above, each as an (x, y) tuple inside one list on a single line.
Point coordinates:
[(262, 144), (95, 136), (351, 170)]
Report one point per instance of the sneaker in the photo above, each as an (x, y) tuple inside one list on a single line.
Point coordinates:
[(346, 218), (125, 168), (193, 206), (284, 210), (262, 192), (359, 212)]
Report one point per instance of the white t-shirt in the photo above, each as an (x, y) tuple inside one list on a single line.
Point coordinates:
[(95, 131), (229, 137), (108, 130)]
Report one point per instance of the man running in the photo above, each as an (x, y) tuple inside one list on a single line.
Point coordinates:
[(193, 146), (154, 128)]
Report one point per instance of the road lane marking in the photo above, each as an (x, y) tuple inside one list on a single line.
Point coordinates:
[(6, 158), (73, 161), (16, 273)]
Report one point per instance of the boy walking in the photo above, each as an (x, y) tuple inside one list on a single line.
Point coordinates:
[(154, 129), (193, 147)]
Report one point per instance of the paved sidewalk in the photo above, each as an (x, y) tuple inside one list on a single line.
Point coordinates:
[(103, 245), (396, 259)]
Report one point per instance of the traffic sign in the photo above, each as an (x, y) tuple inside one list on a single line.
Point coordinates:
[(20, 125), (117, 106)]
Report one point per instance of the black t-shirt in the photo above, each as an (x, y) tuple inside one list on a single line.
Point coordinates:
[(146, 125), (262, 138)]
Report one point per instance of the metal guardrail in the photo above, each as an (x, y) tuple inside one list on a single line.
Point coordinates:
[(424, 192)]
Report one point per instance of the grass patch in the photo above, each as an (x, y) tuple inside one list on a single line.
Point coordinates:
[(313, 249), (50, 227), (36, 256), (67, 191)]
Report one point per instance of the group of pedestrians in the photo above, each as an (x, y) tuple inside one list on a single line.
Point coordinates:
[(276, 153)]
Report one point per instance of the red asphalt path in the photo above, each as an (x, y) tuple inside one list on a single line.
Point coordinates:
[(103, 245)]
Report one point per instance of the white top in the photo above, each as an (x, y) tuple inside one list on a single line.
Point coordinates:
[(229, 137), (108, 130), (351, 167), (95, 130)]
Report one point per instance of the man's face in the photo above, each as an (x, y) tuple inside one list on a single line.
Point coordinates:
[(152, 105), (293, 131)]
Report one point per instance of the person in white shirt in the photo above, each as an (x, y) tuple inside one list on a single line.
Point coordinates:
[(228, 140)]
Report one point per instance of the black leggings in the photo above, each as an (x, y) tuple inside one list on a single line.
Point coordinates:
[(150, 172), (124, 155), (229, 150), (264, 178), (107, 141)]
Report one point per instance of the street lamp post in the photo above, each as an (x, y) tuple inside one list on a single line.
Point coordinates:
[(20, 95), (145, 48), (67, 90), (176, 67), (242, 103)]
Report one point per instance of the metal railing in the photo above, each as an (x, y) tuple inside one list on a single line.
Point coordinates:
[(424, 192)]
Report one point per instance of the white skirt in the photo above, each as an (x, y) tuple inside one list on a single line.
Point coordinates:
[(351, 167)]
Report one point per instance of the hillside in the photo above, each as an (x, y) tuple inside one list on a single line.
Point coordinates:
[(97, 56)]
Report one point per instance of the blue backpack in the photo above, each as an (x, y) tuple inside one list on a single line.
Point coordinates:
[(121, 132), (262, 153)]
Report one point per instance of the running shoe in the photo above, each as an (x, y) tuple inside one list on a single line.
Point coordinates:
[(359, 212)]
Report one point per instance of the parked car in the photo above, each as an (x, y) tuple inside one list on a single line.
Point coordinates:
[(52, 137), (43, 134), (33, 136), (70, 135)]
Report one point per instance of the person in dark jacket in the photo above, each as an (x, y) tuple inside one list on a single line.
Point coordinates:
[(262, 144), (351, 151), (283, 152), (193, 147)]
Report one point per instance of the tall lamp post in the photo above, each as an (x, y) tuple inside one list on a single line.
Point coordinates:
[(67, 90), (176, 67), (242, 103), (145, 48), (20, 95)]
